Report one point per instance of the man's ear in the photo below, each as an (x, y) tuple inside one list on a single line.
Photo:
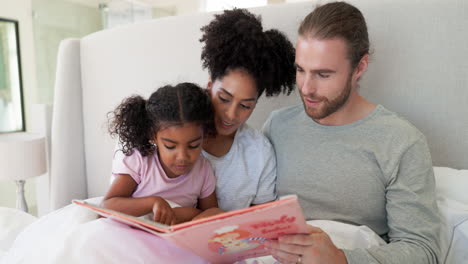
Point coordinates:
[(361, 67)]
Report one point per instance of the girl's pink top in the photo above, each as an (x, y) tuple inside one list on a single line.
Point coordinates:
[(148, 173)]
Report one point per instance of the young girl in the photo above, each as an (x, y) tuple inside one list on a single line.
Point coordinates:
[(159, 161)]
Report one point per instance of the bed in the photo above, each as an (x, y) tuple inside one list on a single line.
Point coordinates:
[(419, 68)]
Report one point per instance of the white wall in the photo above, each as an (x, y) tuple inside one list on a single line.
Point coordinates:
[(55, 20), (21, 10)]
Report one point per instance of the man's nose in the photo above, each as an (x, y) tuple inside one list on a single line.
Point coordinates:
[(308, 85)]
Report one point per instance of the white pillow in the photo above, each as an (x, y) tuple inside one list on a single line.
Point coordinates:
[(12, 222), (452, 199), (451, 184)]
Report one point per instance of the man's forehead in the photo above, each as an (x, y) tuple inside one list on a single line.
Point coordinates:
[(338, 45), (321, 52)]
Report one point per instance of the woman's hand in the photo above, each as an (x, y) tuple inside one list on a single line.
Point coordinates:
[(185, 214), (163, 212), (315, 247), (208, 212)]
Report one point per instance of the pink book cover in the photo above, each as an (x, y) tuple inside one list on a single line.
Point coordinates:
[(227, 237)]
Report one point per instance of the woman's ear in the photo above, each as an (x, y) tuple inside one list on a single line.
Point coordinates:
[(209, 85)]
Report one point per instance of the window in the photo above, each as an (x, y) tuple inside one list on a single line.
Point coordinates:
[(11, 100), (217, 5)]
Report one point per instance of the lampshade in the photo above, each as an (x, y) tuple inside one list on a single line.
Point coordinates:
[(22, 155)]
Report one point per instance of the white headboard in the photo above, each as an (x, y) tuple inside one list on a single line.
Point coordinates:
[(419, 69)]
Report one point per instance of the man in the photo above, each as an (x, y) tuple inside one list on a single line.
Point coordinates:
[(348, 159)]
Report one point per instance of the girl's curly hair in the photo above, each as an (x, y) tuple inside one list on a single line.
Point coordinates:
[(136, 120), (235, 40)]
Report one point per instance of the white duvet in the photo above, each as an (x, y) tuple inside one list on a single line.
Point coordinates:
[(74, 235)]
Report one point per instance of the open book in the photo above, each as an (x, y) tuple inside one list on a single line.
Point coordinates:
[(226, 237)]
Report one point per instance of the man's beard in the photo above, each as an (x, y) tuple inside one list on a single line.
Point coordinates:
[(328, 107)]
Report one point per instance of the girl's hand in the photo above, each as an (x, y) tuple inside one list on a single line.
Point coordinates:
[(163, 212)]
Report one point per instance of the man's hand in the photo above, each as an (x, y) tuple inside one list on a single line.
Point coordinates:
[(313, 248), (163, 212)]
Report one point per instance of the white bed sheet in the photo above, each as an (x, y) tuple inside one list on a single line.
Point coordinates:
[(74, 235)]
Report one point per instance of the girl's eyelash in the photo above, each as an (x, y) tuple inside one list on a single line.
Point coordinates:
[(222, 99), (246, 107), (194, 147), (169, 147)]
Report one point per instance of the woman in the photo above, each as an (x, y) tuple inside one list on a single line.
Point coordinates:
[(243, 62)]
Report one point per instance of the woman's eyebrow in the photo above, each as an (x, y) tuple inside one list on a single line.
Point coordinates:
[(228, 93)]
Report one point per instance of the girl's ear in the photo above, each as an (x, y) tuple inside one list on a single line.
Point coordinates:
[(154, 139)]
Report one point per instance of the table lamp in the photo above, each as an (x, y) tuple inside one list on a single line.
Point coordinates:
[(22, 156)]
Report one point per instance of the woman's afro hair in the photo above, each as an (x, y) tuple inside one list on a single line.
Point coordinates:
[(235, 40)]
